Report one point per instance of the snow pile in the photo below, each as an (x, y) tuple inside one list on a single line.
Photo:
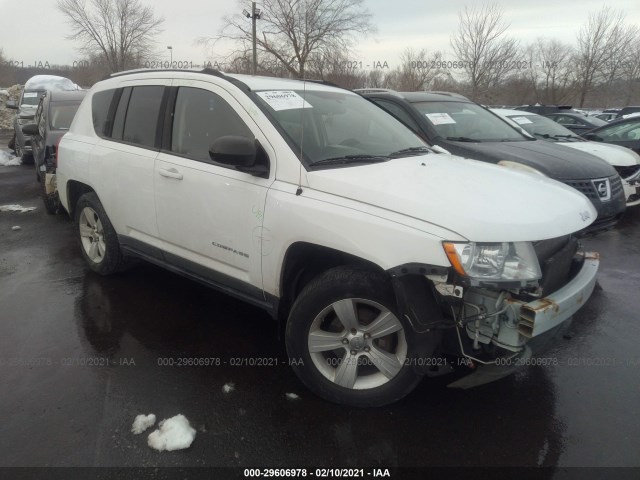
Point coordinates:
[(16, 228), (8, 160), (175, 433), (6, 115), (228, 387), (4, 92), (292, 396), (142, 422), (15, 208)]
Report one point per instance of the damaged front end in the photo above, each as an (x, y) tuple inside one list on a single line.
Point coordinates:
[(495, 325)]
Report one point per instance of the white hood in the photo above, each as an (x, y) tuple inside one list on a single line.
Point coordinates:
[(479, 201), (615, 155)]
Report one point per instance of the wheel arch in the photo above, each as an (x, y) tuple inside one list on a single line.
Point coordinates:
[(302, 262), (75, 190)]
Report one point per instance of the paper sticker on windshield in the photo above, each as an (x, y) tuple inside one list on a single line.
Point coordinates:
[(521, 120), (439, 118), (30, 94), (284, 100)]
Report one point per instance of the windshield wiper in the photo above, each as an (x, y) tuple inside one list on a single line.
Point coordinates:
[(572, 137), (409, 151), (351, 159), (463, 139)]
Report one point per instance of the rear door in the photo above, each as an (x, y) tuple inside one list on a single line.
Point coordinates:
[(210, 215), (123, 162)]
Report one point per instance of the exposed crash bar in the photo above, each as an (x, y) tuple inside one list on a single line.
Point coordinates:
[(546, 313)]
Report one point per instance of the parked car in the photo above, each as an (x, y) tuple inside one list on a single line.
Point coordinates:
[(52, 120), (607, 117), (26, 106), (625, 161), (626, 111), (624, 132), (545, 109), (576, 122), (382, 256), (464, 128)]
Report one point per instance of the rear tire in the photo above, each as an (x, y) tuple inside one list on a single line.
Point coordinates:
[(346, 341), (98, 239)]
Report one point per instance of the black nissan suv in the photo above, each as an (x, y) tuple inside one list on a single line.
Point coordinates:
[(466, 129)]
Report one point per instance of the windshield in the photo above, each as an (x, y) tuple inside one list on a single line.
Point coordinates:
[(541, 126), (625, 131), (338, 125), (31, 97), (61, 115), (464, 121)]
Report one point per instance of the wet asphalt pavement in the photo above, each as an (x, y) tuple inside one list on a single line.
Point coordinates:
[(82, 355)]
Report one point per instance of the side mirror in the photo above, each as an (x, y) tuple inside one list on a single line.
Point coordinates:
[(30, 129), (12, 105), (234, 151)]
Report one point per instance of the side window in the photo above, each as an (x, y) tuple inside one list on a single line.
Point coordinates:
[(564, 120), (100, 105), (121, 113), (398, 112), (142, 115), (200, 117)]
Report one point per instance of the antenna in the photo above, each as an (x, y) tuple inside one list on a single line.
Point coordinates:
[(303, 4)]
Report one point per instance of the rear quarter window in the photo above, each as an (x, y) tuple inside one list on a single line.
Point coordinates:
[(100, 105)]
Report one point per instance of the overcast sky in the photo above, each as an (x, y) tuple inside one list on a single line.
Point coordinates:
[(34, 30)]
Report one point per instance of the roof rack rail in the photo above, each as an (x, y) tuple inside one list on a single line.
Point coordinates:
[(450, 94), (374, 90)]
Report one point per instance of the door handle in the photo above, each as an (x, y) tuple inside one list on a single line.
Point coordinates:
[(171, 173)]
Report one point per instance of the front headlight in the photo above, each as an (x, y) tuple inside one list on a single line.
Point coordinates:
[(494, 262), (520, 166)]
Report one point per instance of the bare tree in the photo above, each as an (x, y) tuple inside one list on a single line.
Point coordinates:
[(336, 67), (417, 71), (552, 67), (630, 72), (120, 31), (291, 31), (600, 44), (487, 56), (377, 78)]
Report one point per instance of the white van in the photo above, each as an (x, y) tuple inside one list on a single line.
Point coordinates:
[(386, 259)]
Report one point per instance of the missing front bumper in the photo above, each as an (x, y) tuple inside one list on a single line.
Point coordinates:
[(546, 313)]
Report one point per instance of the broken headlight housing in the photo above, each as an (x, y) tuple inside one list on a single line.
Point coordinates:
[(494, 262)]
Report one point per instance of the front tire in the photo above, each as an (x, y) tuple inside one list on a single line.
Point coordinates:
[(346, 341), (98, 239)]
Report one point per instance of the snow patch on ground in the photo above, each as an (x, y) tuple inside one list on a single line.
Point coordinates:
[(16, 228), (175, 433), (15, 208), (8, 160), (142, 422), (229, 387), (4, 92), (292, 396)]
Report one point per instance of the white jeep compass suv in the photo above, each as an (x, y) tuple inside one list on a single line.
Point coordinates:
[(387, 259)]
